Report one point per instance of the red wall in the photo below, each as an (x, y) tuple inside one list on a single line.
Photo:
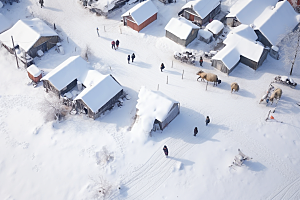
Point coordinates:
[(134, 26)]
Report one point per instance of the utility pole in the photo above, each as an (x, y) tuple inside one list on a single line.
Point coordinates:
[(15, 51)]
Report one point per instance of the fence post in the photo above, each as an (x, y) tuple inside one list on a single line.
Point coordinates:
[(104, 29), (120, 30), (172, 63), (157, 87), (167, 79), (182, 74)]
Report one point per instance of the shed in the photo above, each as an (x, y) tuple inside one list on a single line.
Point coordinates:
[(154, 110), (275, 22), (205, 35), (4, 23), (30, 36), (181, 31), (241, 46), (100, 92), (140, 15), (34, 73), (215, 27), (201, 11), (245, 12)]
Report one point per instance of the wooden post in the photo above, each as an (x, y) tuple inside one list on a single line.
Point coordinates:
[(172, 63), (104, 29), (110, 67), (75, 49), (68, 39), (15, 51), (206, 85), (182, 74), (157, 87), (120, 30), (167, 79)]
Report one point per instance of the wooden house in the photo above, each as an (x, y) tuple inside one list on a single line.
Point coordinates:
[(201, 11), (140, 15), (97, 92), (181, 31), (154, 110), (34, 73), (29, 36), (241, 47)]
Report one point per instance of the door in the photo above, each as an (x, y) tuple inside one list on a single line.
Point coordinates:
[(192, 17)]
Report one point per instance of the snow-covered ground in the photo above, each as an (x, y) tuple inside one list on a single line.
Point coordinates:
[(50, 160)]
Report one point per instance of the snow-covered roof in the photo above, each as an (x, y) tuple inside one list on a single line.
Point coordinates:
[(202, 7), (26, 33), (100, 92), (99, 88), (215, 26), (239, 43), (73, 68), (205, 33), (180, 27), (152, 105), (4, 23), (142, 11), (248, 10), (34, 70), (275, 23)]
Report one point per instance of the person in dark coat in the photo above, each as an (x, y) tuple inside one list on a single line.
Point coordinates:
[(162, 66), (207, 120), (41, 2), (117, 43), (113, 45), (201, 61), (195, 131), (128, 59), (166, 150), (132, 57), (98, 32)]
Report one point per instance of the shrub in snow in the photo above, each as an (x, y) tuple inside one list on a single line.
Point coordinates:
[(103, 188), (53, 108), (104, 156)]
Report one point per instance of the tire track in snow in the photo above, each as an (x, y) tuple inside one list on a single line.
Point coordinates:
[(289, 191)]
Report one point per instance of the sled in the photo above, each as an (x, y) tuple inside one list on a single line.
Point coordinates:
[(285, 80), (186, 57)]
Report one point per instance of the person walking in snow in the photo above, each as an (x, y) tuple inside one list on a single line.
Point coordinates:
[(166, 151), (42, 3), (132, 57), (162, 66), (207, 120), (128, 59), (113, 45), (195, 131), (201, 61), (98, 32), (117, 43)]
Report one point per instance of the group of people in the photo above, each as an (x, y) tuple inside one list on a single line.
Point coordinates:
[(114, 44), (166, 150), (132, 58)]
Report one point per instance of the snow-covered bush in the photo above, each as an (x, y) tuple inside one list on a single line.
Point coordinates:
[(103, 188), (53, 107), (104, 156)]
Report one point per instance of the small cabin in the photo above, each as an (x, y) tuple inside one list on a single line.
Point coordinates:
[(140, 15), (34, 73), (181, 31), (201, 11), (215, 27), (205, 35)]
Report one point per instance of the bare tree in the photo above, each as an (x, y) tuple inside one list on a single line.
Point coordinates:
[(291, 48), (86, 53), (103, 188), (53, 107)]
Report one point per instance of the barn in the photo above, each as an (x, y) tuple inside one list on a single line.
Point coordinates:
[(140, 15), (29, 36), (154, 110), (4, 23), (245, 12), (96, 94), (241, 47), (201, 11), (266, 25), (181, 31)]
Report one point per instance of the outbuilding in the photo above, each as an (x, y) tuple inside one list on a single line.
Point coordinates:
[(201, 11), (154, 110), (97, 92), (241, 47), (34, 73), (215, 27), (30, 36), (140, 15), (205, 35), (181, 31), (4, 23)]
